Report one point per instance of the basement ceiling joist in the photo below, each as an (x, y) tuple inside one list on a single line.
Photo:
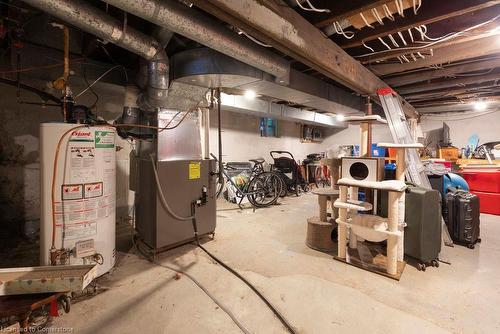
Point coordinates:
[(351, 12), (279, 25), (451, 71), (471, 49), (430, 12), (450, 83)]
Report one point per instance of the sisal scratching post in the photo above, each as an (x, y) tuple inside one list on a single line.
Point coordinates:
[(353, 239), (392, 240), (342, 229), (322, 202), (400, 175)]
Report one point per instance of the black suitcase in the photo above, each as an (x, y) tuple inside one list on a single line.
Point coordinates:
[(422, 235), (461, 214)]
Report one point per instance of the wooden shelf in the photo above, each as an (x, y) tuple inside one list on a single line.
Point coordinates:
[(391, 185), (353, 205), (372, 119), (395, 145)]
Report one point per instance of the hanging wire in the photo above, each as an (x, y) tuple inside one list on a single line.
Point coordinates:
[(377, 16), (400, 7), (402, 38), (311, 7), (366, 46), (339, 30), (383, 42), (388, 13), (366, 22), (422, 29), (253, 39), (416, 6), (393, 41)]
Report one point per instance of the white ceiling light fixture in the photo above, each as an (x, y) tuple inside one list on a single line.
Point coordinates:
[(340, 117), (250, 94), (480, 105)]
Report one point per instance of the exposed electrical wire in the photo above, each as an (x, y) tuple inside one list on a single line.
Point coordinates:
[(393, 41), (400, 7), (311, 7), (339, 30), (253, 39), (366, 46), (97, 80), (416, 6), (366, 21), (423, 34), (402, 38), (377, 16), (388, 12), (383, 42)]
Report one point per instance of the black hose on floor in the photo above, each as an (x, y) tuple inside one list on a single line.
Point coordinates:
[(238, 275)]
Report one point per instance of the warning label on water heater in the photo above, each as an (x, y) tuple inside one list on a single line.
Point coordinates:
[(72, 191)]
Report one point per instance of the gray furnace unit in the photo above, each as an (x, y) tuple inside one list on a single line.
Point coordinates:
[(183, 176)]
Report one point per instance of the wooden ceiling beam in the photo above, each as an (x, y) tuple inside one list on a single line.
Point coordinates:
[(449, 71), (449, 83), (287, 31), (471, 49), (430, 12), (342, 16)]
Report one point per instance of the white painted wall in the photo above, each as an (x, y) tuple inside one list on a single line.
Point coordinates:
[(242, 141), (487, 127)]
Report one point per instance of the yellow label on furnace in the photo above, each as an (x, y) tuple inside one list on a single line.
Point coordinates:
[(194, 170)]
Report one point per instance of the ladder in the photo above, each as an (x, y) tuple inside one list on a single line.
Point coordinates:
[(400, 131)]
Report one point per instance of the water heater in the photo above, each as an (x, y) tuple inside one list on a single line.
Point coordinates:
[(84, 191)]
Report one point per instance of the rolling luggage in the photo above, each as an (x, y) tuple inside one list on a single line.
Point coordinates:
[(422, 235), (461, 214)]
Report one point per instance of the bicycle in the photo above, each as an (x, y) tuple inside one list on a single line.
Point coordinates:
[(261, 190)]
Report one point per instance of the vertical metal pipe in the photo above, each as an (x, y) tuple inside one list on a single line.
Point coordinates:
[(206, 126), (219, 127)]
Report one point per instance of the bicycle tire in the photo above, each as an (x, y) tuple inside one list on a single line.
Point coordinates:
[(267, 187)]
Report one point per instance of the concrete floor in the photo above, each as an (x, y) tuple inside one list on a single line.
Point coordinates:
[(314, 292)]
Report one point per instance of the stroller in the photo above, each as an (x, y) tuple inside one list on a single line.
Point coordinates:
[(284, 163)]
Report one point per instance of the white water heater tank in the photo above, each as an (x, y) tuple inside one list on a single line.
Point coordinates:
[(84, 194)]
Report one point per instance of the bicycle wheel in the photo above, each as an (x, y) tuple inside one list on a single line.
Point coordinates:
[(265, 189), (284, 187)]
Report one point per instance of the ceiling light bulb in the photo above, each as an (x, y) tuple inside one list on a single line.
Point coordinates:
[(480, 105), (340, 118), (250, 94)]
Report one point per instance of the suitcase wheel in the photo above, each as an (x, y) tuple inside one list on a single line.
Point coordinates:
[(478, 240), (435, 263), (421, 266), (471, 246)]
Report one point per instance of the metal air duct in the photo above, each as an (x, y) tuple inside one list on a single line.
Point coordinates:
[(188, 22), (98, 23)]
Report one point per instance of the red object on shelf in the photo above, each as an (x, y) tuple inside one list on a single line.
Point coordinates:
[(488, 202), (483, 180), (53, 308)]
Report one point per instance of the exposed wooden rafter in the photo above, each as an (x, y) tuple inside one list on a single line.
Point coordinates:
[(450, 83), (352, 12), (450, 71), (430, 12), (476, 48)]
